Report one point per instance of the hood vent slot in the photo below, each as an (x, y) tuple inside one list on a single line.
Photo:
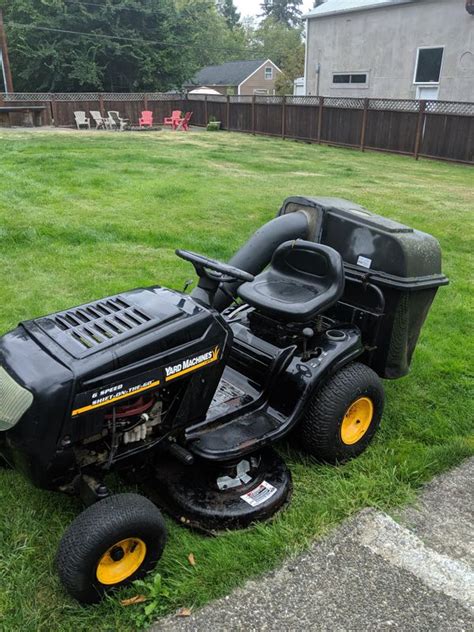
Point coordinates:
[(92, 325)]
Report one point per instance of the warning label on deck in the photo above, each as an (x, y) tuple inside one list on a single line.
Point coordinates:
[(260, 494)]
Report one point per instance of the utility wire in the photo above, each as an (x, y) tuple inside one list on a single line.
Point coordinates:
[(133, 39)]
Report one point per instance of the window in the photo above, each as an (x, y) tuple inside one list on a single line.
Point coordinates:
[(428, 64), (341, 79), (268, 72)]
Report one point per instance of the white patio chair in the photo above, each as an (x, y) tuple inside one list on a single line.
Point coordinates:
[(117, 121), (100, 121), (82, 120)]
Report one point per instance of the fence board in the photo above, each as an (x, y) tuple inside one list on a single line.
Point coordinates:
[(448, 136), (341, 125), (302, 122), (218, 110), (241, 117), (65, 111), (268, 119), (393, 131)]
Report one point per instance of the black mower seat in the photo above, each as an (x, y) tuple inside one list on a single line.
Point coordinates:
[(302, 280)]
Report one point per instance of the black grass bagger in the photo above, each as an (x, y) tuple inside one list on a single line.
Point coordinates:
[(187, 393)]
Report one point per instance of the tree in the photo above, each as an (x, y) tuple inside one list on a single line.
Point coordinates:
[(292, 67), (283, 45), (276, 41), (229, 11), (111, 47), (286, 12), (115, 45)]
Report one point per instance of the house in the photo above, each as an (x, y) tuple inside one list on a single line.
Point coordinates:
[(239, 77), (403, 49)]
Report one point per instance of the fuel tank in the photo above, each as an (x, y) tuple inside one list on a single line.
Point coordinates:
[(60, 372)]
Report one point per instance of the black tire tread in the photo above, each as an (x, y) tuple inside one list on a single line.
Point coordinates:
[(88, 530), (316, 432)]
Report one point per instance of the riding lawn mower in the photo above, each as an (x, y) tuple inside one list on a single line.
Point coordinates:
[(185, 394)]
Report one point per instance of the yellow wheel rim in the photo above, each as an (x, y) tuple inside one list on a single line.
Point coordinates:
[(357, 420), (121, 561)]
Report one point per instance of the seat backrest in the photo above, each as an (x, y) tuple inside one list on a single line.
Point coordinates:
[(80, 117), (309, 261), (147, 115), (188, 116), (96, 115), (114, 115), (176, 114)]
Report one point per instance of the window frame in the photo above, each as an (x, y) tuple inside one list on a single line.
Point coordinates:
[(270, 68), (348, 86), (427, 83)]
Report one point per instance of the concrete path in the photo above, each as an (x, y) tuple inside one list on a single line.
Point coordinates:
[(372, 573)]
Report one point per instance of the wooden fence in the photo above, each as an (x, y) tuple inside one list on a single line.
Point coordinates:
[(432, 129)]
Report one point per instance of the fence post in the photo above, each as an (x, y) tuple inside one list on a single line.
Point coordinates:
[(206, 119), (185, 102), (101, 104), (419, 128), (253, 115), (320, 118), (283, 118), (364, 124), (54, 110), (227, 122), (145, 101)]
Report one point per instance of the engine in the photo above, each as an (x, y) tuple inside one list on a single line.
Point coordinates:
[(100, 383)]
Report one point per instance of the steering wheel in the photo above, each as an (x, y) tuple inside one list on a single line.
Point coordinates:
[(214, 270)]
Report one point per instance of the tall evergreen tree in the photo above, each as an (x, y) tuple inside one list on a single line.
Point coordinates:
[(228, 9), (284, 11), (115, 45)]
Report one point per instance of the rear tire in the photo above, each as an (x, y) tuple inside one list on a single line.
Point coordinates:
[(342, 417), (110, 544)]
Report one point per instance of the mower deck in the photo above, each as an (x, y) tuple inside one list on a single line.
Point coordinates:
[(211, 498)]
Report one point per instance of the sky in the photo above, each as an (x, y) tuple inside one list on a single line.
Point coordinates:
[(252, 7)]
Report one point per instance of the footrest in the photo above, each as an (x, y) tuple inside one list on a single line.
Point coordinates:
[(235, 438)]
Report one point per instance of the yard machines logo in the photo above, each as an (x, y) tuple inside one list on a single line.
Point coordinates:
[(112, 393), (191, 364)]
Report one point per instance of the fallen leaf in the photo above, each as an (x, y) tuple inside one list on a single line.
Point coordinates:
[(192, 559), (184, 612), (133, 600)]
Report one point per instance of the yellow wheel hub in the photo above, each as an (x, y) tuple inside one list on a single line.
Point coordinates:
[(357, 420), (121, 561)]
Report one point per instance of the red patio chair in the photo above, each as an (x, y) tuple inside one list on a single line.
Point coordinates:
[(183, 123), (146, 119), (174, 119)]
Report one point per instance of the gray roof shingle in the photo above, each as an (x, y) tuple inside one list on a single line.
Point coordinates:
[(230, 74)]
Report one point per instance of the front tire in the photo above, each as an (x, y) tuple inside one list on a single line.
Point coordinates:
[(110, 544), (343, 416)]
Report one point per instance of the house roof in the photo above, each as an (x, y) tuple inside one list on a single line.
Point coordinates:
[(230, 74), (333, 7)]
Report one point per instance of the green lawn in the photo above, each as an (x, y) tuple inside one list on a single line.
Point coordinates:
[(85, 215)]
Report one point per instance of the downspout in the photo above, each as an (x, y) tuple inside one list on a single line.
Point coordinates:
[(306, 51)]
